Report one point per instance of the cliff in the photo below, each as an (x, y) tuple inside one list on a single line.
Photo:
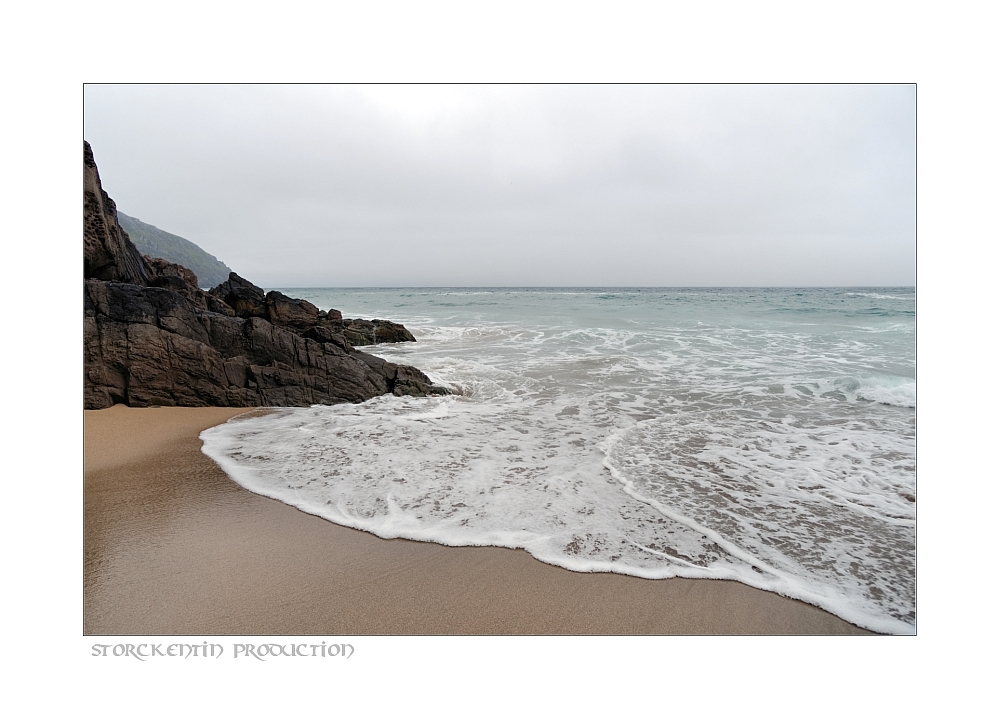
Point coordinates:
[(107, 252), (152, 337)]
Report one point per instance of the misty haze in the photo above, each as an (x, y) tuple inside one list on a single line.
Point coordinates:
[(300, 186)]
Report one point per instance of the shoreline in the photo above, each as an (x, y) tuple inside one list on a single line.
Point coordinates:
[(173, 546)]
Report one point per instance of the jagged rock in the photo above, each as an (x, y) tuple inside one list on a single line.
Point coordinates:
[(151, 337), (320, 333), (285, 311), (370, 332), (180, 279), (165, 268), (246, 298), (149, 346), (108, 254), (302, 317)]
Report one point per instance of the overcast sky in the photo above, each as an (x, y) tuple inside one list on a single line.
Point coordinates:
[(297, 186)]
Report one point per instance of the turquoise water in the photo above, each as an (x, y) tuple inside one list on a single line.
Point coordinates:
[(761, 435)]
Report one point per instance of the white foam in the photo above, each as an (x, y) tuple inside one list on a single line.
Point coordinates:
[(896, 391), (529, 473), (877, 296), (768, 453)]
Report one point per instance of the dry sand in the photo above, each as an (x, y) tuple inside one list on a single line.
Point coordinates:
[(173, 546)]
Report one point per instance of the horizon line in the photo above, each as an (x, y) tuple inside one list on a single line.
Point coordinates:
[(591, 287)]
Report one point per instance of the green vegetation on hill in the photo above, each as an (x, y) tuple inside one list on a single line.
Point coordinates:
[(155, 242)]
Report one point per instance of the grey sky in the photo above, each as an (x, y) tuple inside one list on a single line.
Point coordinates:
[(296, 186)]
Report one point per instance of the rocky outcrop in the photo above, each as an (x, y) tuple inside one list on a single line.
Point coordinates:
[(151, 337), (304, 318), (373, 332), (107, 252), (248, 300), (180, 279)]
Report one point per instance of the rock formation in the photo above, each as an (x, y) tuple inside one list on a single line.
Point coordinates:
[(302, 317), (152, 337), (107, 252)]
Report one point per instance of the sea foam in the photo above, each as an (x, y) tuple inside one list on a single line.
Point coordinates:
[(652, 444)]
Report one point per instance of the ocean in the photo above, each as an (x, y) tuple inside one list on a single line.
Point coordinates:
[(766, 436)]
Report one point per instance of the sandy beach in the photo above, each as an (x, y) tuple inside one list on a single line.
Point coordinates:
[(173, 546)]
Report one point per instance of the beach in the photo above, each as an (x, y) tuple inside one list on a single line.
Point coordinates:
[(173, 546)]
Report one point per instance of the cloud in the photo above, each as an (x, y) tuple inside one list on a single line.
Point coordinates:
[(508, 185)]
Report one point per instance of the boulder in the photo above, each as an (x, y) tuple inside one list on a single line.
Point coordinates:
[(285, 311), (372, 332), (246, 298)]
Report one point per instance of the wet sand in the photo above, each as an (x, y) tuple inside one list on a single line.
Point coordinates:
[(173, 546)]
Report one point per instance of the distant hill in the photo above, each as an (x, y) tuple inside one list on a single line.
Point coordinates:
[(155, 242)]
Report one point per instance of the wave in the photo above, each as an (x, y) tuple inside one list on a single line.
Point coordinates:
[(554, 477), (718, 436), (877, 296), (894, 391)]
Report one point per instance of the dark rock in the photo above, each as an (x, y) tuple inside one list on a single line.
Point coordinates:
[(302, 317), (287, 312), (321, 333), (151, 337), (180, 279), (108, 254), (246, 298), (165, 268), (150, 346), (371, 332)]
